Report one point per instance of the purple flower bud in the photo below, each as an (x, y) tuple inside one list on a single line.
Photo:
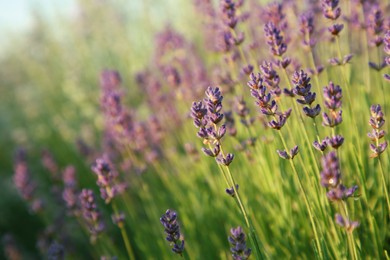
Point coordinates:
[(346, 223), (341, 193), (335, 141), (347, 58), (237, 240), (312, 112), (274, 39), (330, 9), (334, 61), (283, 154), (212, 153), (225, 161), (118, 219), (336, 29), (330, 174), (90, 213), (320, 146), (230, 191), (172, 230)]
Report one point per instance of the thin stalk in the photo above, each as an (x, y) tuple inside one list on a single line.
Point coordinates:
[(384, 183), (309, 210), (351, 240), (125, 238), (253, 235)]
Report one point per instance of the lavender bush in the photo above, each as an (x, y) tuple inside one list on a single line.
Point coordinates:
[(236, 114)]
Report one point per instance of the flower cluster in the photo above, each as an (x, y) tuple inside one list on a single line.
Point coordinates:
[(332, 100), (306, 24), (270, 78), (331, 11), (206, 118), (275, 39), (107, 180), (302, 88), (90, 213), (377, 121), (265, 102), (386, 41), (172, 230), (237, 240), (331, 179)]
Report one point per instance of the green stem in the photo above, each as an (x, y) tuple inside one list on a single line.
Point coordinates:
[(253, 235), (384, 183), (351, 240), (125, 238), (309, 210)]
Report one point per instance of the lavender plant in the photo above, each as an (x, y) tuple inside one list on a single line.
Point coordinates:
[(327, 57)]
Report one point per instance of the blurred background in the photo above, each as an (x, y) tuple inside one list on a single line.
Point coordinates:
[(51, 55)]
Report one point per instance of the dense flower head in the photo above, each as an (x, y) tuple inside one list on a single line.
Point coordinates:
[(331, 173), (306, 24), (331, 179), (375, 25), (270, 78), (332, 100), (275, 39), (302, 87), (274, 13), (90, 213), (107, 179), (330, 9), (207, 114), (377, 121), (263, 100), (172, 230), (239, 249), (228, 9)]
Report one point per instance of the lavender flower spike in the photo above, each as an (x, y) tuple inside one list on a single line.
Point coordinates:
[(377, 121), (90, 213), (274, 39), (172, 230), (330, 175), (237, 240)]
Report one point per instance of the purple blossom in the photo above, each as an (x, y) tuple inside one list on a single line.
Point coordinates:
[(341, 193), (285, 155), (330, 9), (376, 122), (107, 179), (172, 230), (238, 242), (375, 25), (90, 213), (346, 223), (332, 100), (320, 146), (230, 191), (275, 40), (330, 174), (335, 141)]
